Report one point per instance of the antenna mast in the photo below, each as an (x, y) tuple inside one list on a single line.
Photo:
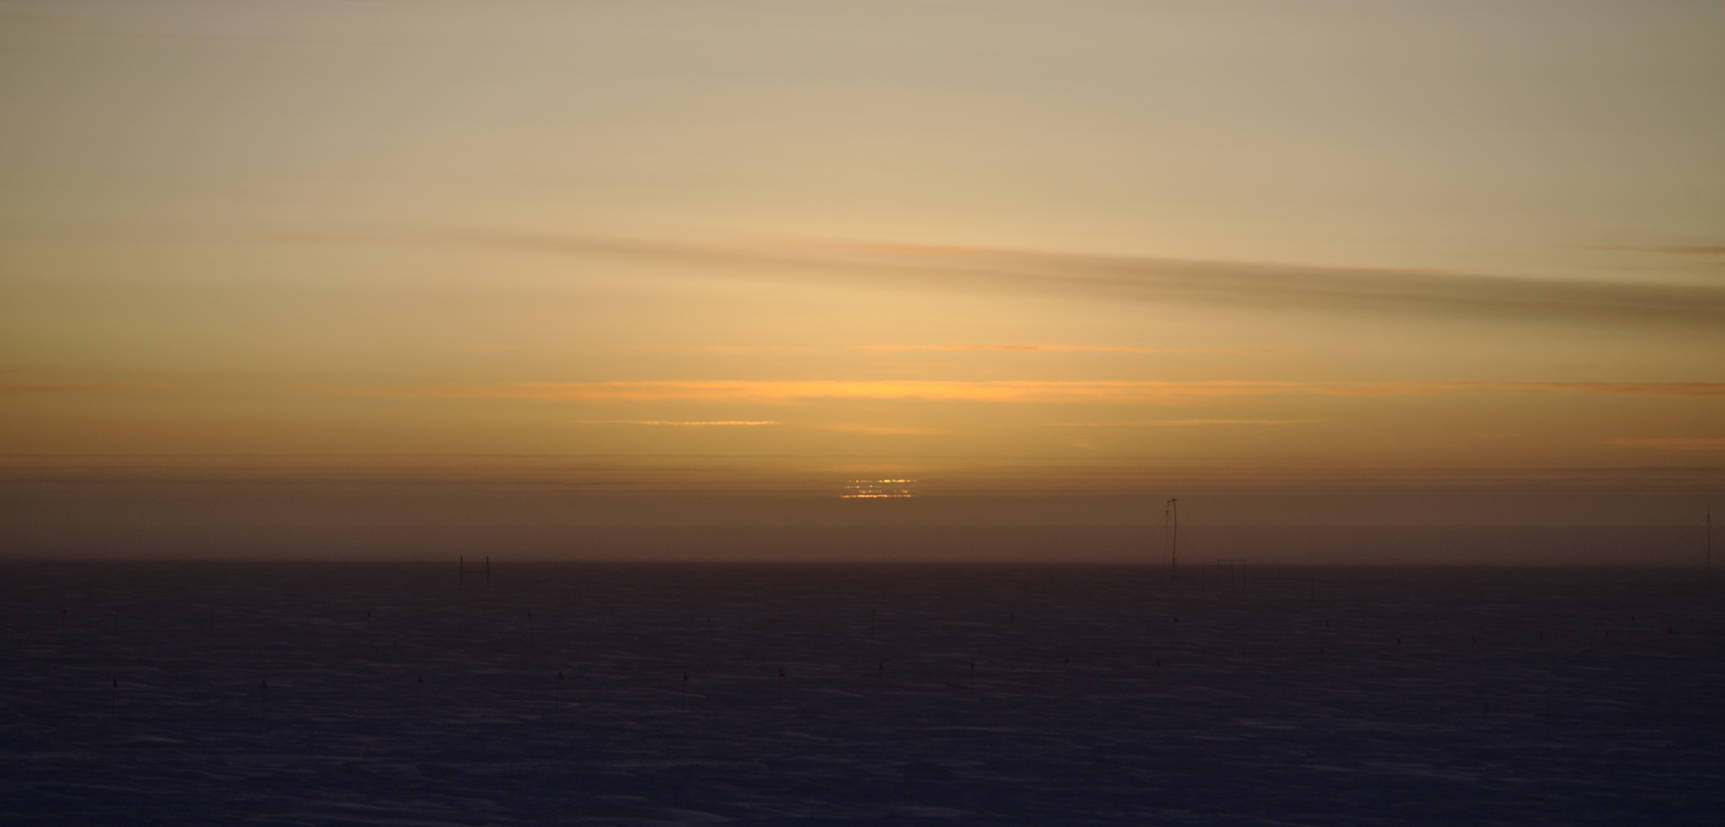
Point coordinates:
[(1171, 522)]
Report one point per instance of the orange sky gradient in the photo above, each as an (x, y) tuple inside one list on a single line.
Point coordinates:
[(712, 265)]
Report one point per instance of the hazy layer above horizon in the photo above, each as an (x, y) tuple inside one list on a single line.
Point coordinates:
[(772, 264)]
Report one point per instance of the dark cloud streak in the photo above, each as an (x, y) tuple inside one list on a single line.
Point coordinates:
[(1124, 278), (1679, 250)]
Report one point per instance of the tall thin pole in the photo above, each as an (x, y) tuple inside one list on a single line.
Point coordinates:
[(1171, 522)]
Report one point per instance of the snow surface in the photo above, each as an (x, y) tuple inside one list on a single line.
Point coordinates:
[(402, 694)]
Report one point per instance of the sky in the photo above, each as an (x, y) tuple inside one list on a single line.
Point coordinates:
[(1318, 262)]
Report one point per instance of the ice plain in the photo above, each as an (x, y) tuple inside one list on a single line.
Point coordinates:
[(299, 693)]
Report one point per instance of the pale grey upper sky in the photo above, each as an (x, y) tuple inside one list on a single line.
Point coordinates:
[(1504, 137), (324, 226)]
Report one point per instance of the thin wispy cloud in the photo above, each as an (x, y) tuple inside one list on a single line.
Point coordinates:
[(1113, 277), (878, 430), (1677, 443), (757, 391), (948, 348), (1179, 423), (726, 349), (1671, 250), (1065, 349), (62, 387), (684, 423)]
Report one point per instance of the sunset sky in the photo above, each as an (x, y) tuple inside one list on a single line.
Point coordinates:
[(1019, 249)]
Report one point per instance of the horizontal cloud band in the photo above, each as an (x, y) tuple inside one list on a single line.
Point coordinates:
[(1129, 278), (1027, 391), (1676, 443), (1065, 349), (684, 423)]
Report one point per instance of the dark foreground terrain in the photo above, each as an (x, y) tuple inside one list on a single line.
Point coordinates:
[(615, 694)]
